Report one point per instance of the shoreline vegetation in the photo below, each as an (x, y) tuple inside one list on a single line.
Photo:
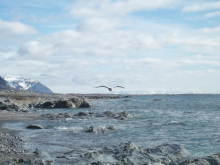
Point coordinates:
[(14, 108)]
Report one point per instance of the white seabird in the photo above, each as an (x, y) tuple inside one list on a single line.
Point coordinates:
[(110, 89)]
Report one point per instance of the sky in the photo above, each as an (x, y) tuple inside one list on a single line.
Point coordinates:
[(147, 46)]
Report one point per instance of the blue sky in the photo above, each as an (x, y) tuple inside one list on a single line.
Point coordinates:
[(148, 46)]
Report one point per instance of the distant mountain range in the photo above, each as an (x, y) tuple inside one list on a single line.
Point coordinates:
[(22, 83)]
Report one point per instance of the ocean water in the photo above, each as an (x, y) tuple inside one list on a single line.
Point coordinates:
[(190, 120)]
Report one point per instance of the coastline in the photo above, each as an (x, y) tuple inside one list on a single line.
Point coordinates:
[(11, 145), (11, 149)]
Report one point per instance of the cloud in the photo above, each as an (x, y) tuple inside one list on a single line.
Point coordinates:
[(200, 62), (161, 64), (206, 72), (213, 14), (36, 49), (99, 24), (210, 30), (105, 43), (96, 8), (200, 41), (7, 55), (16, 28), (202, 7), (153, 63)]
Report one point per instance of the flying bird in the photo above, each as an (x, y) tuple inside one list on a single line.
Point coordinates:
[(110, 89)]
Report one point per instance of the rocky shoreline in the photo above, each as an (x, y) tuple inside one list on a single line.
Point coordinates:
[(14, 108)]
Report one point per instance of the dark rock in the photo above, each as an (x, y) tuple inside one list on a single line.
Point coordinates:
[(83, 114), (124, 114), (98, 163), (157, 100), (9, 105), (99, 129), (121, 115), (209, 160), (81, 102), (34, 127), (64, 115), (65, 103), (110, 114)]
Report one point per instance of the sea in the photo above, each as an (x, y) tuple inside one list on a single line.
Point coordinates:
[(192, 121)]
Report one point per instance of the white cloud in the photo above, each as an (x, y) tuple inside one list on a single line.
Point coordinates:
[(202, 42), (96, 8), (7, 55), (16, 28), (200, 73), (202, 7), (161, 64), (152, 63), (36, 49), (210, 30), (114, 42), (99, 24), (200, 62), (213, 14)]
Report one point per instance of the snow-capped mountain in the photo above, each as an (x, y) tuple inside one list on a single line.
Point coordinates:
[(27, 84), (4, 85)]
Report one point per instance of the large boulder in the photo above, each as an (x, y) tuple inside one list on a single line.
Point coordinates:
[(34, 127), (9, 106), (65, 103), (81, 102)]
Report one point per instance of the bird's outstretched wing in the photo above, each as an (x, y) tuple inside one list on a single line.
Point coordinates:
[(119, 87), (101, 86)]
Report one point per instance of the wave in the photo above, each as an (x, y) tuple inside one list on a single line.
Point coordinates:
[(75, 129)]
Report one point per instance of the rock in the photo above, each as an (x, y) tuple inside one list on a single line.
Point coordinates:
[(9, 106), (209, 160), (122, 115), (157, 100), (84, 114), (65, 103), (98, 163), (81, 102), (131, 154), (34, 127), (25, 110), (110, 114), (43, 157), (99, 129), (56, 116)]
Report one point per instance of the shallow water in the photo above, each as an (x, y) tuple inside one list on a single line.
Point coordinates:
[(190, 120)]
